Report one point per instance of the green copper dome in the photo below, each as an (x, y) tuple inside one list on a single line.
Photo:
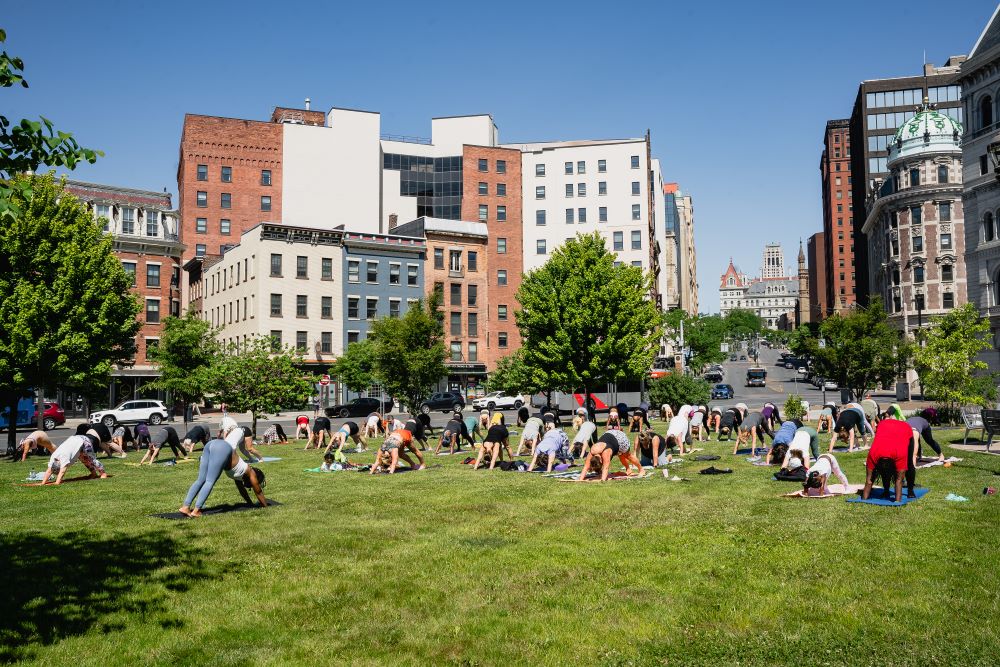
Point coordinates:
[(929, 131)]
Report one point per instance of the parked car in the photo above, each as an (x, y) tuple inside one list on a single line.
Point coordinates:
[(743, 357), (52, 417), (444, 401), (830, 385), (803, 371), (713, 376), (732, 357), (498, 399), (723, 392), (359, 407), (132, 412)]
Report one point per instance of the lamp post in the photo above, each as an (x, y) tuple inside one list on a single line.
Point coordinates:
[(918, 301)]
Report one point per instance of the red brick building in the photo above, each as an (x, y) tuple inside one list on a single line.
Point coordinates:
[(838, 218), (816, 257)]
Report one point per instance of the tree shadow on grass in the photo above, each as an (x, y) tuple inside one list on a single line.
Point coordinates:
[(55, 587)]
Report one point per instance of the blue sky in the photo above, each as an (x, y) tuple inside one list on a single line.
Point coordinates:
[(736, 94)]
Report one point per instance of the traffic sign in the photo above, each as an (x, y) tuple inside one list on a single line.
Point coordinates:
[(325, 380)]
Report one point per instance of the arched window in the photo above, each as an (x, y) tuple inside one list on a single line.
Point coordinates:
[(985, 112), (988, 227), (942, 174)]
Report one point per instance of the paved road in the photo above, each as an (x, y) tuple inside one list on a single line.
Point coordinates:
[(780, 383)]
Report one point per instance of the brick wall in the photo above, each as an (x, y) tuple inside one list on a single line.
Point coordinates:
[(511, 229), (480, 278), (164, 292)]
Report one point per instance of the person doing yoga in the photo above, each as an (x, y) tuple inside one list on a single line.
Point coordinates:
[(530, 436), (730, 422), (679, 431), (416, 428), (523, 413), (274, 434), (848, 421), (122, 437), (653, 448), (302, 429), (74, 448), (893, 456), (585, 438), (102, 435), (782, 437), (196, 434), (554, 445), (827, 417), (166, 436), (751, 428), (923, 427), (496, 438), (320, 432), (713, 421), (638, 421), (142, 437), (394, 447), (614, 421), (451, 435), (611, 444), (699, 420), (240, 438), (347, 430), (34, 443), (819, 475), (771, 415), (220, 456)]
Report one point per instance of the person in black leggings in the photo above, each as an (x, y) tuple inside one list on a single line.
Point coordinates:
[(195, 434), (613, 443), (166, 436), (496, 438), (848, 421), (416, 427), (923, 427), (320, 432)]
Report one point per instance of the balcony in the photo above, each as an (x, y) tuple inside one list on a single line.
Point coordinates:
[(454, 272)]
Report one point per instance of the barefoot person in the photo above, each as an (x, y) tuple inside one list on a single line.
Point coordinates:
[(220, 456), (496, 440), (893, 456), (679, 430), (74, 448), (33, 443), (819, 475), (848, 422), (320, 432), (530, 436), (166, 436), (394, 447), (613, 443), (553, 445), (346, 430), (923, 427), (751, 428)]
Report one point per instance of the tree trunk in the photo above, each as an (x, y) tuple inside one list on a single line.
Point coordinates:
[(11, 400), (40, 407), (253, 429)]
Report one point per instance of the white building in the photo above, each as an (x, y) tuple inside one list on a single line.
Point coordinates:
[(774, 299)]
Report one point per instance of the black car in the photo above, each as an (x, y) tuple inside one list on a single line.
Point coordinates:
[(445, 401), (732, 357), (359, 407)]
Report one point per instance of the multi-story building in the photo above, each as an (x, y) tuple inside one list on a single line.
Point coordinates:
[(838, 219), (774, 262), (732, 289), (980, 83), (458, 268), (145, 231), (816, 256), (773, 296), (880, 108), (803, 314), (687, 265), (670, 253)]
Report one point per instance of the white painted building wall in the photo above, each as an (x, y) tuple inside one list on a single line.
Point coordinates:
[(450, 133)]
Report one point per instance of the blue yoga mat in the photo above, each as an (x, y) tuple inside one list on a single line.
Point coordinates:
[(876, 497), (269, 459)]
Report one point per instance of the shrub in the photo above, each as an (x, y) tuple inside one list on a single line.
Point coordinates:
[(793, 407), (676, 390)]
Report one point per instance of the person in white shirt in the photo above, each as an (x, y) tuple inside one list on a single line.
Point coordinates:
[(679, 431), (819, 475), (240, 438), (74, 448)]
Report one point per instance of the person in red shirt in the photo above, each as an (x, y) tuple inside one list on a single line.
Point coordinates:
[(302, 427), (893, 454)]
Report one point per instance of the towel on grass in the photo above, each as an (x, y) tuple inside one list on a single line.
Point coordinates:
[(877, 499), (269, 459), (52, 479), (843, 450), (833, 490), (218, 509), (930, 463), (596, 477)]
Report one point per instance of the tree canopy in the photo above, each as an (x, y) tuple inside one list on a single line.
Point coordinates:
[(355, 367), (185, 355), (676, 390), (948, 360), (742, 324)]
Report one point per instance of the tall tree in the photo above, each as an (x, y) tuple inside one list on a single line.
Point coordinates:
[(185, 355), (676, 390), (67, 313), (590, 322), (742, 324), (950, 371), (408, 352), (257, 379), (513, 375), (355, 367)]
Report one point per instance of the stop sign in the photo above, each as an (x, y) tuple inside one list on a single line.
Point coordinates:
[(325, 380)]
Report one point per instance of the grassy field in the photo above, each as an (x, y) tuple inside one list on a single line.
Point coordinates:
[(459, 566)]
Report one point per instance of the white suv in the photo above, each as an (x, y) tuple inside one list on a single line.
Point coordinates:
[(496, 400), (131, 412)]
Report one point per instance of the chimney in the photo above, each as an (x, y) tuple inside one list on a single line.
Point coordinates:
[(307, 103)]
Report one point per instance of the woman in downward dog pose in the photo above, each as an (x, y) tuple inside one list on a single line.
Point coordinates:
[(220, 456), (34, 441), (819, 475), (74, 448), (613, 443), (394, 448)]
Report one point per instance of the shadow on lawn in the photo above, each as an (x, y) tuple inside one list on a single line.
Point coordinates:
[(57, 587)]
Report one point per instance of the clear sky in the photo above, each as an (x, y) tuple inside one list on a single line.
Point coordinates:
[(736, 94)]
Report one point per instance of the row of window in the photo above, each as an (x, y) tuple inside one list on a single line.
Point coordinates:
[(581, 166), (226, 200), (581, 189), (153, 310), (152, 274), (302, 341), (947, 302), (484, 166), (580, 215), (991, 226), (455, 294), (891, 121), (129, 218), (915, 178), (917, 214), (227, 313), (226, 174)]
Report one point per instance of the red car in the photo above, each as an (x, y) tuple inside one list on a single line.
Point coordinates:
[(54, 416)]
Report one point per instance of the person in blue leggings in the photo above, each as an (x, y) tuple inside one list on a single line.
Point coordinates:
[(218, 457)]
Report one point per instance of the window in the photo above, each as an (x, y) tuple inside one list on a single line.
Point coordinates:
[(275, 340), (456, 351), (226, 200), (501, 166), (353, 336), (540, 192), (353, 271), (501, 246), (201, 225), (265, 203), (411, 275), (265, 176), (227, 174), (501, 189), (473, 324), (984, 165), (988, 227), (151, 227), (602, 187), (393, 307), (918, 244), (456, 324), (371, 275), (501, 213), (353, 307), (326, 268), (602, 166), (439, 290), (942, 174), (484, 165), (371, 308), (637, 263), (301, 305), (394, 274), (473, 352), (484, 188), (539, 170), (502, 313), (456, 293), (540, 218), (455, 260), (473, 260), (581, 167), (581, 215), (945, 241), (326, 342), (569, 189), (202, 172), (916, 215), (948, 300), (635, 188), (275, 265), (944, 211), (918, 274), (275, 305), (152, 311), (914, 177), (635, 161), (569, 216), (619, 241), (326, 307), (636, 212), (540, 247), (473, 295), (602, 214), (581, 189), (300, 341), (985, 112), (438, 258), (947, 273), (636, 239), (199, 249), (569, 168), (130, 270), (502, 339), (501, 278), (104, 211), (152, 275), (301, 266), (225, 226)]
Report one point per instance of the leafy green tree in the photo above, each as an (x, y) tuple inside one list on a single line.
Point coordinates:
[(27, 144), (408, 352), (704, 335), (588, 321), (742, 324), (513, 375), (676, 390), (803, 341), (254, 378), (947, 362), (67, 313), (793, 407), (355, 368), (862, 351), (185, 355)]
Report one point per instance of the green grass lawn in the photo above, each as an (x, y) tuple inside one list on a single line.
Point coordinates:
[(453, 565)]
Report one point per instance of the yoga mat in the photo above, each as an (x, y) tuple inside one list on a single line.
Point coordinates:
[(218, 509), (931, 463), (595, 477), (269, 459), (81, 478), (834, 490), (843, 450), (876, 497), (743, 451)]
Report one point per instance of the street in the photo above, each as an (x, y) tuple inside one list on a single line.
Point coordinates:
[(780, 383)]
